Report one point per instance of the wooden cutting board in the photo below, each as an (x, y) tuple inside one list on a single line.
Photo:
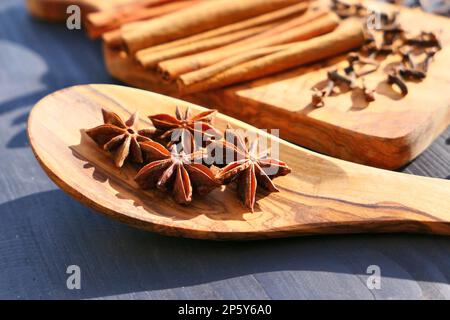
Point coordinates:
[(386, 133)]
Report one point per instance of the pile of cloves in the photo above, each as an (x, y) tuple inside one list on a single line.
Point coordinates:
[(394, 41)]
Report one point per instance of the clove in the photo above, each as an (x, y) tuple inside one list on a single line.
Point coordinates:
[(389, 19), (407, 59), (429, 56), (411, 74), (394, 41), (318, 96), (338, 78), (369, 93), (394, 79), (354, 59), (334, 79), (425, 40), (391, 33)]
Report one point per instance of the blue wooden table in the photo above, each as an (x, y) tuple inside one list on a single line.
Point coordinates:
[(43, 230)]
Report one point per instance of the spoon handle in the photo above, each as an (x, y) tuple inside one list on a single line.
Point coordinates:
[(365, 199)]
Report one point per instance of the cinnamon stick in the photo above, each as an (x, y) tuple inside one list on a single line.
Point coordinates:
[(100, 22), (204, 16), (273, 16), (113, 39), (190, 78), (346, 37), (150, 60), (310, 25)]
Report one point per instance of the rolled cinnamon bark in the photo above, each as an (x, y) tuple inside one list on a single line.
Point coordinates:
[(346, 37), (113, 39), (270, 17), (310, 25), (190, 78), (201, 17), (100, 22), (150, 60)]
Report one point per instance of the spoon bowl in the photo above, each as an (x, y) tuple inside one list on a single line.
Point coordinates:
[(322, 195)]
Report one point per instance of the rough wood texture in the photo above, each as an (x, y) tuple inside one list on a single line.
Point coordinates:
[(321, 196), (386, 133), (43, 230)]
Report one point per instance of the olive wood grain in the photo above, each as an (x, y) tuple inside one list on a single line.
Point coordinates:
[(386, 133), (322, 195)]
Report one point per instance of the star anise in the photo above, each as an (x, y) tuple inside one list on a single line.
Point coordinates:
[(120, 137), (249, 168), (185, 128), (175, 171)]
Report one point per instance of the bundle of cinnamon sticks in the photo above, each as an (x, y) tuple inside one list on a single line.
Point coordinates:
[(202, 44)]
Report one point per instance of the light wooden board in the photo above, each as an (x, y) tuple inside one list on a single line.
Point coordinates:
[(322, 195), (386, 133)]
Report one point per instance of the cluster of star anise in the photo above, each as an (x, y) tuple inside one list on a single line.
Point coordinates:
[(384, 37), (186, 154)]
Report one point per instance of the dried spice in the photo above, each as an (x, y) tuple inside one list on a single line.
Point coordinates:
[(318, 96), (175, 171), (180, 172), (120, 137), (425, 39), (394, 79), (335, 79), (359, 65), (395, 41), (346, 10), (184, 127), (249, 168)]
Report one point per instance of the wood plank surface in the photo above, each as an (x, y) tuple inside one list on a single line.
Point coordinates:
[(42, 230)]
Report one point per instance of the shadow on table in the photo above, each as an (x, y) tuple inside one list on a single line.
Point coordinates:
[(42, 58), (42, 234)]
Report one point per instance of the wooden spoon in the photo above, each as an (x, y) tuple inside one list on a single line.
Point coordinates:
[(322, 195)]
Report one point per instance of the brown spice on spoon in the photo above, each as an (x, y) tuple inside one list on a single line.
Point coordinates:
[(180, 171), (175, 171), (249, 168), (120, 137), (183, 126)]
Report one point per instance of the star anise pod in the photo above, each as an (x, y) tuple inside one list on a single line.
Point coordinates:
[(175, 171), (249, 168), (183, 127), (120, 137)]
